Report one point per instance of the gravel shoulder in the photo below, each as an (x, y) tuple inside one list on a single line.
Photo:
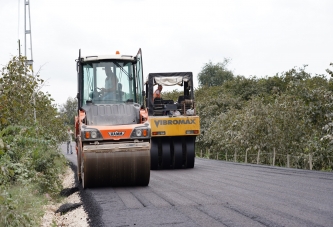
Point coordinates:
[(73, 218)]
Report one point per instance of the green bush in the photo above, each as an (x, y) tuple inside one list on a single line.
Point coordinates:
[(290, 113), (21, 205), (30, 160), (30, 167)]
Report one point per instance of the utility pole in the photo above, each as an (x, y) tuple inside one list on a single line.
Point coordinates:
[(19, 47), (27, 34)]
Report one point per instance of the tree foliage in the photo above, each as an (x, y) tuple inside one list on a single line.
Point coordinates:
[(29, 157), (215, 74), (68, 111), (21, 95), (17, 87), (290, 114), (172, 95)]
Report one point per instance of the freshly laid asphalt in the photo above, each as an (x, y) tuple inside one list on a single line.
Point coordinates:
[(215, 193)]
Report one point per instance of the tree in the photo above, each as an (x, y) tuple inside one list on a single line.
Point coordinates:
[(172, 95), (29, 148), (18, 88), (69, 110), (215, 74), (243, 87), (289, 113)]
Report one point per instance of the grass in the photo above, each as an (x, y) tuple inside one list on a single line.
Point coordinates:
[(21, 204)]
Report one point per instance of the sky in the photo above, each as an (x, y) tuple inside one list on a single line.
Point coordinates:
[(260, 37)]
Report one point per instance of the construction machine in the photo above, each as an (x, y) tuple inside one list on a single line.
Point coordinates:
[(112, 129), (174, 123)]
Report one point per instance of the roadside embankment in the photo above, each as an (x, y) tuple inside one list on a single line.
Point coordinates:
[(69, 211)]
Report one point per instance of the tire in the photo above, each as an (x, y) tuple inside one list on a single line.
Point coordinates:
[(190, 152), (178, 152), (166, 153), (154, 154)]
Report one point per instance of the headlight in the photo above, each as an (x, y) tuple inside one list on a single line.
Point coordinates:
[(90, 134), (138, 132), (141, 132), (93, 134)]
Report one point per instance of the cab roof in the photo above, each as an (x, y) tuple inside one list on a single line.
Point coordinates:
[(187, 76), (107, 57)]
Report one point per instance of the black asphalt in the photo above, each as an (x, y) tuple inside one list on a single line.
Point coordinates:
[(216, 193)]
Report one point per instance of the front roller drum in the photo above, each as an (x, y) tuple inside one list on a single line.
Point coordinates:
[(122, 168)]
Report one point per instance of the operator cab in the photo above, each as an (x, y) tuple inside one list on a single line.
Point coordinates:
[(110, 88), (161, 107), (110, 81)]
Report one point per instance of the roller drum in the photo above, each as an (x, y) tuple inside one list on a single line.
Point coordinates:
[(128, 167)]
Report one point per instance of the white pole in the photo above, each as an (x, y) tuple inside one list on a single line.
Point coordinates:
[(28, 32)]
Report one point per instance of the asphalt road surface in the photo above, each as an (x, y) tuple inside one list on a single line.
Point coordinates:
[(216, 193)]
